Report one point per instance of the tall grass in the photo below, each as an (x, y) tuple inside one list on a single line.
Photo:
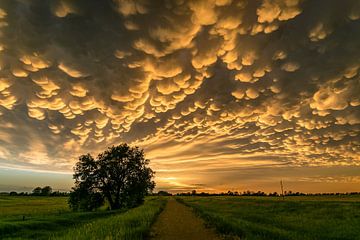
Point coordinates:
[(259, 218), (133, 224), (50, 217)]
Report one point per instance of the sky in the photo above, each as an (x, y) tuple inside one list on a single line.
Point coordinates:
[(222, 95)]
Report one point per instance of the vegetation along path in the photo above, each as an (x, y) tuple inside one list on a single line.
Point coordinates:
[(179, 222)]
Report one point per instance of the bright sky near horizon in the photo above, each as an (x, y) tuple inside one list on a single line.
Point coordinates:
[(221, 94)]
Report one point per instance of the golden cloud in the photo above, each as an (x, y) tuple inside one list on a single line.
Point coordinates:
[(201, 85)]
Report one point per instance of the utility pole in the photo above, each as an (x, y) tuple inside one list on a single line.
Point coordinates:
[(282, 189)]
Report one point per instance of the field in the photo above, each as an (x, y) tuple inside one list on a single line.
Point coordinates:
[(268, 218), (132, 224), (245, 218), (49, 217), (29, 206)]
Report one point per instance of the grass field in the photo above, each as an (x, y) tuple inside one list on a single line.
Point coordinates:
[(248, 218), (49, 217), (269, 218), (131, 225), (11, 206)]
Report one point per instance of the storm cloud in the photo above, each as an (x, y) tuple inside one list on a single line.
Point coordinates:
[(203, 85)]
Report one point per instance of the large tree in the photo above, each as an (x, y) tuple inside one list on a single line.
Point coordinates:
[(120, 174)]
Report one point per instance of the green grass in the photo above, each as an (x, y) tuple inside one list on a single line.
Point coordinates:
[(44, 216), (12, 206), (270, 218), (47, 217), (133, 224)]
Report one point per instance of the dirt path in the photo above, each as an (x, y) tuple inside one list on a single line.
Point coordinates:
[(179, 222)]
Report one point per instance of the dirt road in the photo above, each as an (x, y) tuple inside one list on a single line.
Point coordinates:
[(179, 222)]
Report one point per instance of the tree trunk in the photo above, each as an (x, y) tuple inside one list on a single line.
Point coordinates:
[(109, 198)]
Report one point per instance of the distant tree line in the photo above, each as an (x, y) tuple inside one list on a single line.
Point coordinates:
[(257, 193), (38, 191), (163, 193)]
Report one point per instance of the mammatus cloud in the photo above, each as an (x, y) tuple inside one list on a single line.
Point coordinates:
[(203, 86)]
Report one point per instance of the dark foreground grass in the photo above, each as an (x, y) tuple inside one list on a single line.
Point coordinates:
[(266, 218), (49, 217), (131, 225)]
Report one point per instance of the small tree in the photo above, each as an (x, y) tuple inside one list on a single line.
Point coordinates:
[(46, 191), (120, 175), (163, 193), (36, 191)]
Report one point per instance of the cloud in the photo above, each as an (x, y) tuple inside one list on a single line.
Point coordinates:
[(201, 85), (325, 99), (281, 10), (78, 90), (4, 84), (70, 71), (290, 66), (62, 8)]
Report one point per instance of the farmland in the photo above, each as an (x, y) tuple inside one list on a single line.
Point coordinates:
[(260, 218), (233, 217), (49, 217)]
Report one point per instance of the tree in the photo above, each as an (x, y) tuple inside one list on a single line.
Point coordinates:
[(120, 175), (46, 191), (36, 191), (84, 199), (164, 193)]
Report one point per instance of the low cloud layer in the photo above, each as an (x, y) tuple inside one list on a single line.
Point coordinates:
[(203, 86)]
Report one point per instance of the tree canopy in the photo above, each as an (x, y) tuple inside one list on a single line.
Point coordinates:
[(45, 191), (120, 175)]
